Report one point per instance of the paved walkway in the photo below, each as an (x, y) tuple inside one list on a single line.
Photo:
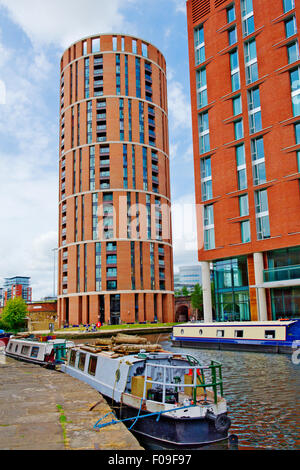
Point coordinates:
[(41, 409)]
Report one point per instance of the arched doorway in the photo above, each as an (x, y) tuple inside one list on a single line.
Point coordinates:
[(182, 314)]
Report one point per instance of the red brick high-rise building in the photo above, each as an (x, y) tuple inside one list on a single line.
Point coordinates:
[(245, 93), (115, 244)]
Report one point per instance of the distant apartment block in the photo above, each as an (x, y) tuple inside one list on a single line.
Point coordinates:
[(17, 286), (188, 276)]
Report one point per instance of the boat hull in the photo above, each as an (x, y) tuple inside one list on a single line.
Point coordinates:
[(233, 346), (170, 433)]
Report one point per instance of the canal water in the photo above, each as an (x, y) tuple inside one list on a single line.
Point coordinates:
[(262, 393)]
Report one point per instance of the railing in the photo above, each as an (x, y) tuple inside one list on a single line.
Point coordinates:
[(205, 377), (284, 273)]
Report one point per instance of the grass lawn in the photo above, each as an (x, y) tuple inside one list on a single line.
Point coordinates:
[(119, 327)]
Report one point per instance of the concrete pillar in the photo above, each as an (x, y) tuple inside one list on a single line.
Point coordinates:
[(261, 291), (206, 286)]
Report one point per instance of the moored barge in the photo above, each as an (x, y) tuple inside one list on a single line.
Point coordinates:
[(280, 336), (46, 353), (170, 400)]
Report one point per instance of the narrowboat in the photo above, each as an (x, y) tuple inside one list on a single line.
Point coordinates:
[(170, 401), (47, 353), (279, 336)]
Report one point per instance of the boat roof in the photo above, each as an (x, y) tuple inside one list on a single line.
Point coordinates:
[(241, 323), (131, 358)]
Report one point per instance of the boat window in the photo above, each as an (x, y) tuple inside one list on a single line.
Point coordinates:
[(25, 350), (270, 334), (35, 351), (72, 358), (92, 365), (81, 362), (182, 332), (16, 348), (200, 332), (10, 347), (220, 333), (239, 333)]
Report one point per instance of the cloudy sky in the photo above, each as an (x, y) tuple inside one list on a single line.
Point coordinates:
[(33, 36)]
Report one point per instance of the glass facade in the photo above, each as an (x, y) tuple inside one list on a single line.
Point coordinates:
[(231, 290)]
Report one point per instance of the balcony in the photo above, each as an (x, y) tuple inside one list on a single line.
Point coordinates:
[(285, 273)]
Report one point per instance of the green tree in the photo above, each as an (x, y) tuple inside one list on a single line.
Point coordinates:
[(14, 314), (197, 299), (185, 292)]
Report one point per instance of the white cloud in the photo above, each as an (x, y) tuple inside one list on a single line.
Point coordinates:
[(63, 22), (180, 6), (178, 104)]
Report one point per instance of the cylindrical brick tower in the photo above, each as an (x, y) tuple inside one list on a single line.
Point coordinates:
[(115, 242)]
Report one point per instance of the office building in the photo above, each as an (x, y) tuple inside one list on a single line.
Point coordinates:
[(18, 286), (245, 94), (115, 244), (188, 276)]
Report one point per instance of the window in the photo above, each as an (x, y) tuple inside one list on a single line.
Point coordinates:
[(81, 362), (295, 91), (258, 161), (288, 5), (270, 334), (138, 77), (201, 88), (206, 179), (262, 214), (220, 333), (239, 333), (25, 350), (297, 132), (72, 358), (230, 14), (247, 17), (234, 70), (251, 61), (232, 36), (244, 205), (134, 46), (241, 167), (145, 169), (290, 27), (144, 50), (199, 45), (237, 105), (254, 110), (96, 45), (87, 78), (34, 351), (84, 48), (293, 52), (245, 231), (92, 365), (238, 129), (203, 126), (209, 228), (115, 43), (298, 161), (118, 74), (98, 266)]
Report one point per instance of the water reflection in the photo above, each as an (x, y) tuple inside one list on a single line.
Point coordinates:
[(262, 393)]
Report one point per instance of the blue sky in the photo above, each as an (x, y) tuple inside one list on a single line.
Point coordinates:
[(33, 36)]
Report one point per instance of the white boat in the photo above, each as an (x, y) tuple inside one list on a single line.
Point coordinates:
[(168, 399), (47, 353), (261, 336)]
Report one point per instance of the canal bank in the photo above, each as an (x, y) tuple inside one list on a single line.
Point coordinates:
[(42, 409), (107, 333)]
